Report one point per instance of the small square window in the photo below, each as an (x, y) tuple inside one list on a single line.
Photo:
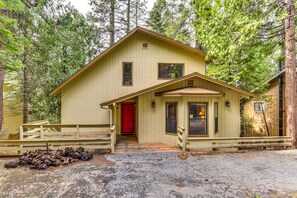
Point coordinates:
[(190, 82), (144, 45), (259, 106)]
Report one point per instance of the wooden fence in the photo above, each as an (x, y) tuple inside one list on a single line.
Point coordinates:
[(36, 135), (198, 143)]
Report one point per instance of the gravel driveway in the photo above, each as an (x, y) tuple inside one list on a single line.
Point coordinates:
[(251, 174)]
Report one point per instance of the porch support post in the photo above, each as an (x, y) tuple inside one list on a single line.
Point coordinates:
[(184, 120), (115, 122), (184, 140), (21, 132), (77, 131), (41, 131)]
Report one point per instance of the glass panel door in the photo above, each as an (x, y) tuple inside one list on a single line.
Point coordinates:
[(197, 118), (171, 121)]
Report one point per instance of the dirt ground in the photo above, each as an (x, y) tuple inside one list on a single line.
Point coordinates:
[(251, 174)]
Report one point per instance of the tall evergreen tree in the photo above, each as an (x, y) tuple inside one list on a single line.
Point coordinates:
[(115, 18), (290, 64), (238, 34), (62, 40), (11, 44), (173, 19)]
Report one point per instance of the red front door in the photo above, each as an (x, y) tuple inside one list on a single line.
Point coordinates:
[(128, 118)]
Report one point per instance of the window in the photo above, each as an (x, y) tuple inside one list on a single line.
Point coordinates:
[(169, 70), (259, 106), (144, 45), (190, 82), (197, 118), (171, 121), (216, 117), (127, 74)]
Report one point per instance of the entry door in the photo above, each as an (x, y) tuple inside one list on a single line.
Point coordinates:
[(128, 113)]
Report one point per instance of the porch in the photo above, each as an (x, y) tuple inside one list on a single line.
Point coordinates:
[(129, 144), (94, 136)]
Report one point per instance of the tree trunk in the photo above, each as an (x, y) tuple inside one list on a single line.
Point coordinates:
[(128, 16), (111, 22), (2, 75), (25, 95), (290, 65), (136, 13)]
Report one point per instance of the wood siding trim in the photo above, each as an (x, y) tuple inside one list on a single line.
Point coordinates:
[(144, 31), (195, 74)]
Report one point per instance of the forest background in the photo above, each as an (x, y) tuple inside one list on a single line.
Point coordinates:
[(42, 42)]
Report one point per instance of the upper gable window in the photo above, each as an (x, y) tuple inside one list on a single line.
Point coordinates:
[(170, 70), (127, 74)]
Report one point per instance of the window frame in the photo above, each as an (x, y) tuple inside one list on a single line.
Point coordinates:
[(158, 74), (207, 122), (216, 122), (263, 107), (123, 69), (176, 116)]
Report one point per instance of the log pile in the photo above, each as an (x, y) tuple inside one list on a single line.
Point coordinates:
[(41, 160)]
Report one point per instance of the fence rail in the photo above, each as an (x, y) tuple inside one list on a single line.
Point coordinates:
[(35, 135), (194, 143), (186, 142)]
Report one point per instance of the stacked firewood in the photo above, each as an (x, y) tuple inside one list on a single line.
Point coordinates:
[(42, 160)]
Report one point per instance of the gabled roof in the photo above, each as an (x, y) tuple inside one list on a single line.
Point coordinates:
[(144, 31), (195, 74)]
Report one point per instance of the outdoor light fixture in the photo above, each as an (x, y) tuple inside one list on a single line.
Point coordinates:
[(153, 104), (227, 103)]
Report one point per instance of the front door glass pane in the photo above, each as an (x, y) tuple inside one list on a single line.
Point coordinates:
[(197, 119)]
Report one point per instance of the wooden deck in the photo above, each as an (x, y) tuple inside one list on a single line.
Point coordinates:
[(129, 144)]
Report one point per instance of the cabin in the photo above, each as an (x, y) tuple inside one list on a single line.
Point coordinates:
[(151, 86), (267, 114)]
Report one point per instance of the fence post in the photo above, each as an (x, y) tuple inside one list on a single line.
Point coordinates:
[(112, 138), (21, 132), (77, 131), (41, 131), (184, 139)]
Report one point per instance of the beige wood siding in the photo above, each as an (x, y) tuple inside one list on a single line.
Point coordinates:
[(152, 120), (271, 113), (103, 81)]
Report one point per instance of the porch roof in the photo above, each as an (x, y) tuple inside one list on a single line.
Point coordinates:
[(190, 91), (170, 82)]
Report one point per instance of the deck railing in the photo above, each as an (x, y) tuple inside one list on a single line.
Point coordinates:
[(69, 131), (194, 143), (35, 135), (186, 142)]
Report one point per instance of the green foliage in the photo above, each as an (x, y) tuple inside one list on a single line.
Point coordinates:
[(246, 126), (62, 41), (172, 19), (101, 12), (156, 17), (242, 36), (11, 44)]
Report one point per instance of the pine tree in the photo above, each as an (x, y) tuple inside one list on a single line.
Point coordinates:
[(115, 18), (11, 44)]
